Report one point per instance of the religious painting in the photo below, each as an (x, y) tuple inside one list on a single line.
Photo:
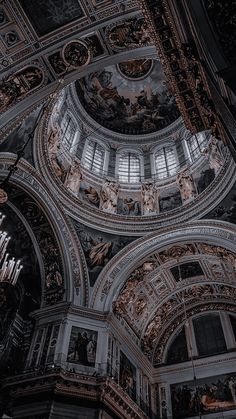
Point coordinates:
[(19, 84), (83, 346), (187, 270), (51, 15), (95, 45), (169, 199), (131, 33), (128, 206), (208, 395), (131, 98), (127, 376), (99, 247)]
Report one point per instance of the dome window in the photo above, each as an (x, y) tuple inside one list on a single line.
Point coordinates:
[(196, 145), (68, 129), (94, 156), (165, 162), (129, 168)]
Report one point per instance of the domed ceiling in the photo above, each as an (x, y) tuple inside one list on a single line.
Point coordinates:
[(130, 98)]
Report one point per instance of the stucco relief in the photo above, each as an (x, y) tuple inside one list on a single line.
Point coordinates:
[(57, 273)]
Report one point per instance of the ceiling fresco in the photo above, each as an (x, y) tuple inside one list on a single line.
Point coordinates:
[(50, 14), (131, 98)]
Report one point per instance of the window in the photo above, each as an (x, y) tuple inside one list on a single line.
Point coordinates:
[(129, 168), (209, 335), (94, 156), (178, 351), (165, 162), (196, 145), (68, 129)]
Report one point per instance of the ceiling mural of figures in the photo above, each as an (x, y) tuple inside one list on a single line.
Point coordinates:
[(130, 98), (130, 33)]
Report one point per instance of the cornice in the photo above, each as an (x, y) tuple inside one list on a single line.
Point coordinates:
[(93, 217)]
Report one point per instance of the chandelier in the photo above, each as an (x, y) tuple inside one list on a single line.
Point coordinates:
[(9, 268)]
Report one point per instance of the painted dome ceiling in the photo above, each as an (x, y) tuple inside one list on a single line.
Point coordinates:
[(130, 98)]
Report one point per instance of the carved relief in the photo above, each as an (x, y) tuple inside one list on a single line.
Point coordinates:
[(220, 252), (176, 252)]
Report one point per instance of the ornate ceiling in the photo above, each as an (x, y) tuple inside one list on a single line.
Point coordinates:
[(130, 261), (130, 98)]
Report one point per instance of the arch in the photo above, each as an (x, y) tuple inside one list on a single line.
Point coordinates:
[(116, 272), (73, 264)]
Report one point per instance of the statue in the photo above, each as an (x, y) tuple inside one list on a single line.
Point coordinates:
[(53, 147), (149, 198), (214, 155), (109, 195), (92, 196), (53, 141), (74, 177), (186, 185)]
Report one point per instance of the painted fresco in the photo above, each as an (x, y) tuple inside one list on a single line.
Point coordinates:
[(82, 346), (130, 106), (99, 247), (209, 395), (50, 15), (131, 33), (169, 199), (127, 376), (128, 206)]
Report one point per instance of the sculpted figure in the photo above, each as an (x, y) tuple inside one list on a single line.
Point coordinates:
[(109, 195), (53, 141), (149, 198), (74, 177), (186, 185), (92, 196), (214, 155), (53, 148)]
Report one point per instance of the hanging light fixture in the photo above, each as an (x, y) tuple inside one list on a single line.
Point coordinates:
[(9, 268)]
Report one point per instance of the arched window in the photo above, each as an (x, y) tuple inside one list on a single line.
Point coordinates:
[(94, 156), (196, 145), (209, 334), (178, 351), (68, 130), (165, 162), (129, 168)]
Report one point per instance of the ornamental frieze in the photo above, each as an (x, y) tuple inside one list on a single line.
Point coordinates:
[(183, 69)]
